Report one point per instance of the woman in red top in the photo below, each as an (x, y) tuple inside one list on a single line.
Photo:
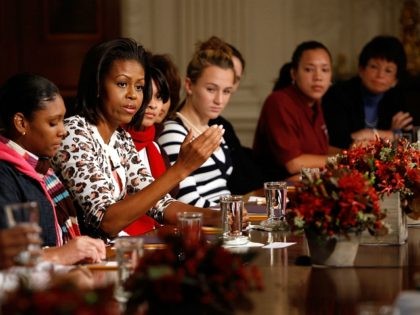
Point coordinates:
[(291, 132)]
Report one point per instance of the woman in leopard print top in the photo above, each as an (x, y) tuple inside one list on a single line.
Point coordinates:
[(98, 161)]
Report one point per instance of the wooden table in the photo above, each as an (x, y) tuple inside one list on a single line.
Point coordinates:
[(380, 273)]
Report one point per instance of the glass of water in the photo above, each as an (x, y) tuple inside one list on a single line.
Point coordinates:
[(275, 196), (129, 250), (232, 207), (24, 213)]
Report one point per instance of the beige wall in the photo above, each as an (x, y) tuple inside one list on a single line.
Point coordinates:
[(265, 31)]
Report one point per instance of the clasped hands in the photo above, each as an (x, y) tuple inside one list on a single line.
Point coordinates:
[(400, 121)]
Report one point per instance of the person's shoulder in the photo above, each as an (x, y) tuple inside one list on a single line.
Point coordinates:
[(6, 166), (173, 132), (272, 99), (124, 136), (282, 99), (171, 122), (7, 171), (341, 86), (343, 91), (288, 92), (173, 125), (76, 121), (78, 127)]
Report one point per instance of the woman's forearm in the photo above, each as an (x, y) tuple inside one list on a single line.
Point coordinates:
[(122, 213), (305, 160)]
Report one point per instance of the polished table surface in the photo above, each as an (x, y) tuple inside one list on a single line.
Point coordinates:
[(291, 287), (379, 275)]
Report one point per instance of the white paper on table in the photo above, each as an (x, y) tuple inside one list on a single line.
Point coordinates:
[(247, 244), (258, 200), (110, 264), (412, 222), (407, 303), (279, 244)]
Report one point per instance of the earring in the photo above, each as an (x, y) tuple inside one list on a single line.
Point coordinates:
[(24, 133)]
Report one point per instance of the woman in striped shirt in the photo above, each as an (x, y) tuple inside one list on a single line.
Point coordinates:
[(209, 85)]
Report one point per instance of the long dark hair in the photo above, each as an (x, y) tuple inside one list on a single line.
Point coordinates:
[(96, 66)]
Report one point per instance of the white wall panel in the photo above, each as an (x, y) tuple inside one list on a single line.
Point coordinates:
[(265, 31)]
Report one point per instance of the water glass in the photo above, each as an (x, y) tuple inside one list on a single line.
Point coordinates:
[(190, 227), (129, 250), (232, 207), (24, 213), (275, 196)]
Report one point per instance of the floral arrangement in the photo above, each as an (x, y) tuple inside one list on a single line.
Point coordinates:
[(392, 166), (63, 299), (203, 279), (335, 201)]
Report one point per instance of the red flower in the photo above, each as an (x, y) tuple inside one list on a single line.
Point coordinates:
[(61, 300), (391, 166), (335, 201), (206, 276)]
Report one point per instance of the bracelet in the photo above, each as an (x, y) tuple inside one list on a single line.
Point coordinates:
[(375, 133)]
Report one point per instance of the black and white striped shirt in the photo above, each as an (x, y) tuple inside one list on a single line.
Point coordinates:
[(204, 186)]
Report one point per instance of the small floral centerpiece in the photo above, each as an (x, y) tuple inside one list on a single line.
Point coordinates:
[(335, 201), (392, 166), (333, 207), (205, 279)]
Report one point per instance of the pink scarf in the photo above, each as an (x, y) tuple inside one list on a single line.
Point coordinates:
[(9, 155)]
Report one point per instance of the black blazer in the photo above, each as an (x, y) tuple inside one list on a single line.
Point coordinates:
[(344, 112)]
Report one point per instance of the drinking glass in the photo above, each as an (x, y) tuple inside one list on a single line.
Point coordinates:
[(24, 213), (190, 226), (129, 250), (232, 207), (275, 196)]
